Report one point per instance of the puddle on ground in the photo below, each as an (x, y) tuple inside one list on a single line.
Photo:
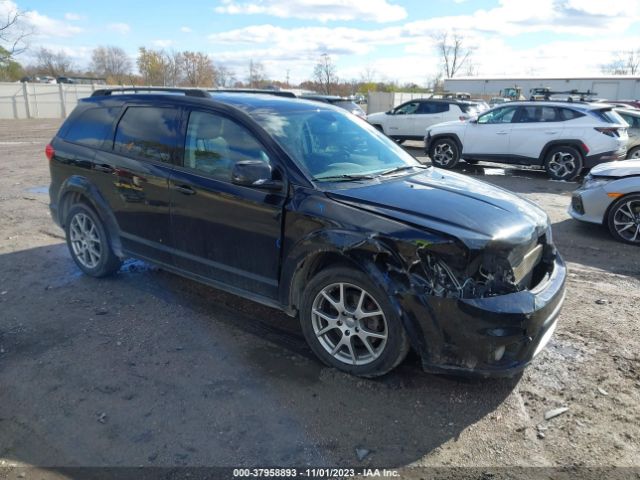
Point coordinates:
[(43, 190)]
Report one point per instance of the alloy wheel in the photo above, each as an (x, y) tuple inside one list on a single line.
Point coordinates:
[(349, 324), (562, 164), (443, 154), (85, 240), (626, 221)]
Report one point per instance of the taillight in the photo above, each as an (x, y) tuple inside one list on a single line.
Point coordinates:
[(609, 131), (49, 152)]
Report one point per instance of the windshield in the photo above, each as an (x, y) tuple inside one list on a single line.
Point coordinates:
[(348, 105), (333, 145)]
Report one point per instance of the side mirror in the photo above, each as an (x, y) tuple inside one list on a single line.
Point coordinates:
[(473, 120), (256, 174), (389, 112)]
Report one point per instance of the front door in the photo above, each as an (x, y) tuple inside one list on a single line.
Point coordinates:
[(222, 231), (489, 135)]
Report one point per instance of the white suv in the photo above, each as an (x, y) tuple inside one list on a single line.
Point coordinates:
[(409, 120), (562, 137)]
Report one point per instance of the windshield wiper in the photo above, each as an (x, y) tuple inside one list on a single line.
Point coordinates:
[(346, 177), (399, 169)]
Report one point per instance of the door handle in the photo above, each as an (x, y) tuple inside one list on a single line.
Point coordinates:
[(501, 133), (551, 132), (103, 168), (184, 189)]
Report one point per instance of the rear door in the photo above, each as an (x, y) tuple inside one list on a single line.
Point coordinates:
[(534, 126), (223, 231), (428, 114), (134, 168)]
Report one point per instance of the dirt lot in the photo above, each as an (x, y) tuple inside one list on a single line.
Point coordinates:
[(148, 368)]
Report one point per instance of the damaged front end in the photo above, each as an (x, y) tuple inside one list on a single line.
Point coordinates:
[(487, 313)]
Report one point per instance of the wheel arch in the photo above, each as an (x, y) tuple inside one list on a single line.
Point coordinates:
[(78, 189), (577, 144), (365, 253), (448, 136)]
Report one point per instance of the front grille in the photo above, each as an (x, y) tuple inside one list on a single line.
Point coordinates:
[(576, 204)]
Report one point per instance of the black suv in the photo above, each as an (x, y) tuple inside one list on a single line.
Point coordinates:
[(306, 208)]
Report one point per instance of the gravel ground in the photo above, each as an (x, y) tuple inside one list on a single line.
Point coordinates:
[(150, 369)]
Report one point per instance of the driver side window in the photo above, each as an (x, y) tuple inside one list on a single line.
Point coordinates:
[(499, 115), (407, 108)]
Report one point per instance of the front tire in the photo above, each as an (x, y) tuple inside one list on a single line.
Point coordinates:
[(623, 219), (444, 153), (350, 324), (88, 242), (634, 153), (563, 163)]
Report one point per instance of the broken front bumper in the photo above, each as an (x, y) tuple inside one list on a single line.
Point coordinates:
[(492, 336)]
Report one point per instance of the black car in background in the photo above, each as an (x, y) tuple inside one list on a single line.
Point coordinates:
[(308, 209)]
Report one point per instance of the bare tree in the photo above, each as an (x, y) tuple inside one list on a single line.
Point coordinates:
[(625, 63), (152, 66), (12, 34), (198, 69), (453, 52), (52, 63), (324, 73), (111, 62), (173, 68), (225, 77), (256, 74)]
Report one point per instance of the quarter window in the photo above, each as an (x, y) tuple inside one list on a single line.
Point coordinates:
[(214, 144), (92, 126), (148, 133)]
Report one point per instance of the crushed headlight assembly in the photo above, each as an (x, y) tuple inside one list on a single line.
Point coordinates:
[(595, 182)]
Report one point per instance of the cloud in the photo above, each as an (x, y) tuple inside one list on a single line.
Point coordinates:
[(162, 43), (121, 28), (378, 11), (73, 17), (185, 29)]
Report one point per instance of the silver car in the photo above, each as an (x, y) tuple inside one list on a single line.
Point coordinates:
[(632, 117), (610, 195)]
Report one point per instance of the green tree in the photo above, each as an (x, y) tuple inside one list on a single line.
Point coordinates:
[(10, 70)]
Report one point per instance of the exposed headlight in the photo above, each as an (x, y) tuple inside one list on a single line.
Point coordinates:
[(594, 182)]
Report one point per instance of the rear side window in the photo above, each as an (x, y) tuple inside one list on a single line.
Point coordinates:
[(433, 107), (148, 133), (91, 127), (568, 114)]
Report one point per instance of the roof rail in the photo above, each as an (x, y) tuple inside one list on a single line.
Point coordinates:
[(278, 93), (189, 92)]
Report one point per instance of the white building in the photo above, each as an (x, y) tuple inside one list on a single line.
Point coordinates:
[(620, 87)]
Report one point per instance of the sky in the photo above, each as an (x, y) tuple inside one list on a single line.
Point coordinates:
[(389, 40)]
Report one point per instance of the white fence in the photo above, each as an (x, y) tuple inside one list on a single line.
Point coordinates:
[(40, 100), (383, 101)]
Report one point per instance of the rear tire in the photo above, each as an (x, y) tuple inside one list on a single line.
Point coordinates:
[(563, 163), (341, 309), (444, 153), (634, 153), (89, 243), (623, 219)]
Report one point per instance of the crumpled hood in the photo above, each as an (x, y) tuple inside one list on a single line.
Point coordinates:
[(622, 168), (475, 212)]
